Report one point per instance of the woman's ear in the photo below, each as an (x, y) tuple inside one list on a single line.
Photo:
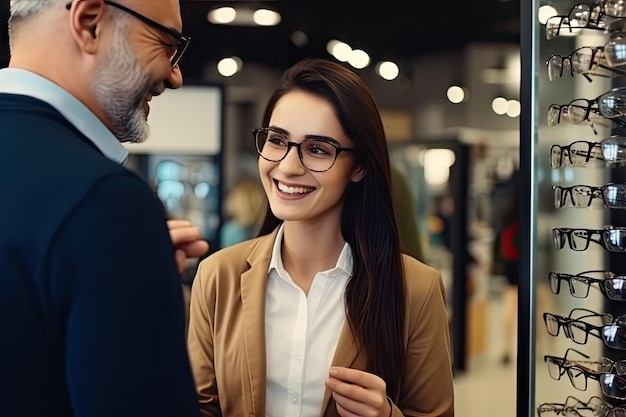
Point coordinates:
[(358, 174), (86, 18)]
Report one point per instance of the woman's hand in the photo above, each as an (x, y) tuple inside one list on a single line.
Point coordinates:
[(358, 393)]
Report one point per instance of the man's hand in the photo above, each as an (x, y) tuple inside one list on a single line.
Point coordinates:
[(187, 242), (358, 393)]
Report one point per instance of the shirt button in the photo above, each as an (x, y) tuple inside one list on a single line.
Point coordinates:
[(294, 401)]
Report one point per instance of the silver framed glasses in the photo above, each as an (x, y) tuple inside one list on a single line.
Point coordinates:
[(317, 153), (581, 153), (581, 196)]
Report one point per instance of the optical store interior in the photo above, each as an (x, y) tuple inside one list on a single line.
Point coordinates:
[(487, 105)]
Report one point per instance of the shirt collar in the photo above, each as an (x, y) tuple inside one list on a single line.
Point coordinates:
[(27, 83), (344, 263)]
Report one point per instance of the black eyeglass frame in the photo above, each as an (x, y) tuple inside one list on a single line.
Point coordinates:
[(290, 144), (182, 40), (585, 281), (561, 194), (601, 151)]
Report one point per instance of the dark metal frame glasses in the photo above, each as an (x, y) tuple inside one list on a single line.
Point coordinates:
[(316, 153), (611, 150), (182, 41), (611, 285)]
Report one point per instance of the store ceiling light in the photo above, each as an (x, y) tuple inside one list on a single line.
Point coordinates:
[(242, 15)]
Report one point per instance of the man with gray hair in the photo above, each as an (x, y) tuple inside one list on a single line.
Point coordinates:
[(91, 308)]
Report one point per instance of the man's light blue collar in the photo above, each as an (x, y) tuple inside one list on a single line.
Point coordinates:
[(23, 82)]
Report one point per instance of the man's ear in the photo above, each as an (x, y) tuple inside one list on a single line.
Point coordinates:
[(358, 174), (86, 17)]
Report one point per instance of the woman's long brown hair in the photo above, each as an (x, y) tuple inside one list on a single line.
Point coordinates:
[(375, 295)]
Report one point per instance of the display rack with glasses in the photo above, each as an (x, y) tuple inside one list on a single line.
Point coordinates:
[(583, 84)]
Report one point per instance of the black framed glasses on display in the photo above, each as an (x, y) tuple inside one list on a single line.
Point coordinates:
[(558, 112), (582, 196), (585, 60), (605, 16), (609, 105), (613, 334), (580, 153), (611, 285), (182, 41), (317, 153), (574, 407), (611, 238)]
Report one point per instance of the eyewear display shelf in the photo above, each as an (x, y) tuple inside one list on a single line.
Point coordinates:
[(572, 295)]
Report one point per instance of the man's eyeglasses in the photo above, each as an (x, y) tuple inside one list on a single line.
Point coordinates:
[(605, 16), (611, 238), (611, 285), (182, 41), (317, 154), (610, 150), (581, 196)]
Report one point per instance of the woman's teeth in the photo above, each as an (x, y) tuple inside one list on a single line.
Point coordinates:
[(293, 190)]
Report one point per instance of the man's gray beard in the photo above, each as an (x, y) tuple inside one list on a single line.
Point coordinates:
[(121, 88)]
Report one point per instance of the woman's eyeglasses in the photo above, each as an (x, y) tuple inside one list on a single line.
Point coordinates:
[(317, 154), (581, 196), (611, 238), (611, 285), (611, 150)]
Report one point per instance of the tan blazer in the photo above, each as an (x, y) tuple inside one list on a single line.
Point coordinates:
[(227, 343)]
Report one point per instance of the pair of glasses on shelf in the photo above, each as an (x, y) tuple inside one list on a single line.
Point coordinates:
[(574, 407), (602, 61), (582, 196), (613, 333), (582, 153), (612, 385), (609, 106), (605, 16), (611, 285), (611, 238)]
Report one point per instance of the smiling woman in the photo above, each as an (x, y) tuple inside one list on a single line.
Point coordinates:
[(324, 289)]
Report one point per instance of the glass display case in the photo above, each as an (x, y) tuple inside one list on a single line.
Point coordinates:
[(572, 332)]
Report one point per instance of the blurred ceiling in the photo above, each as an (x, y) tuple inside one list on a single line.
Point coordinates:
[(387, 30)]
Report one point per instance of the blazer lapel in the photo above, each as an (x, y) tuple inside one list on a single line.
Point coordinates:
[(253, 287), (345, 355)]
